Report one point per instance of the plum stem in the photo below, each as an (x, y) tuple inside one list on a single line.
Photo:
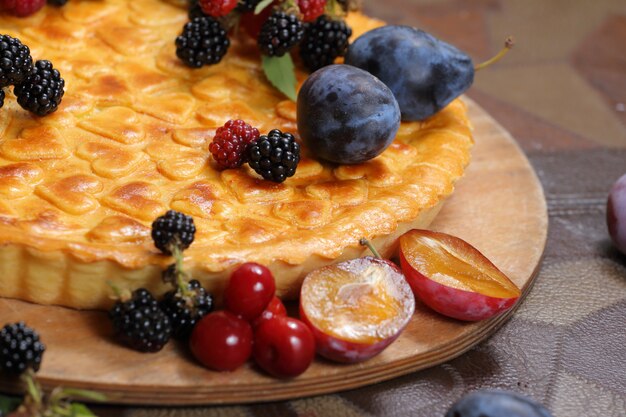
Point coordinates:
[(508, 44), (365, 242)]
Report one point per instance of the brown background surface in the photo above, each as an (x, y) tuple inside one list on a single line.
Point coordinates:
[(562, 94)]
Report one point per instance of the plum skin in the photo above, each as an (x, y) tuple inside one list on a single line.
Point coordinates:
[(345, 115), (452, 302), (493, 403), (424, 73), (616, 214)]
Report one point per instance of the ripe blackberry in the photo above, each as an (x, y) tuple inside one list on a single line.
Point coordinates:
[(140, 323), (274, 156), (311, 9), (247, 5), (15, 61), (186, 309), (58, 3), (21, 8), (324, 40), (41, 91), (174, 231), (217, 8), (20, 349), (280, 32), (229, 144), (203, 42)]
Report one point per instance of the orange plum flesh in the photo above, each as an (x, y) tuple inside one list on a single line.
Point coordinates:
[(356, 308), (454, 278)]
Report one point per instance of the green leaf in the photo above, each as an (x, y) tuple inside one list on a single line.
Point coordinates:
[(80, 410), (262, 5), (281, 73), (8, 404)]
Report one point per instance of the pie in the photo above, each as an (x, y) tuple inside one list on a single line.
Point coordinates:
[(79, 188)]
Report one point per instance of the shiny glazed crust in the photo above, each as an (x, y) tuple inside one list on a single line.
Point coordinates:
[(79, 188)]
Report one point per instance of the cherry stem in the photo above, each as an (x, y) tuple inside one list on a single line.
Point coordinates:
[(508, 44), (365, 242)]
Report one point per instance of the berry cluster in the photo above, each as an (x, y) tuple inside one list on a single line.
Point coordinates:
[(274, 156), (317, 25), (147, 324), (38, 87), (253, 324), (24, 8)]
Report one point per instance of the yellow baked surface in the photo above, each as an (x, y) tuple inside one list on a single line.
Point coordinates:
[(80, 188)]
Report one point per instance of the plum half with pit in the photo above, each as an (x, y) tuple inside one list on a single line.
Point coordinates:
[(493, 403), (616, 214), (453, 278), (346, 115), (424, 73)]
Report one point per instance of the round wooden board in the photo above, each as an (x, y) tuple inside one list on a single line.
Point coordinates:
[(499, 207)]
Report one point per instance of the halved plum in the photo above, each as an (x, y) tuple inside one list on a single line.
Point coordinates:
[(356, 308), (453, 278)]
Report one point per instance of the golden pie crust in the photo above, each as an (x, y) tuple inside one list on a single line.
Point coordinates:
[(80, 188)]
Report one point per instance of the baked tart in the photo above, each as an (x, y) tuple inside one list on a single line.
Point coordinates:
[(80, 187)]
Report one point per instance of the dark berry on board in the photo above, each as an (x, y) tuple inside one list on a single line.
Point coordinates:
[(15, 61), (173, 229), (280, 33), (20, 349), (41, 91), (247, 5), (203, 42), (323, 41), (58, 3), (488, 403), (140, 323), (274, 156), (185, 310), (229, 144)]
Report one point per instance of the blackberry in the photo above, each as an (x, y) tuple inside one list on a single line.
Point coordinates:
[(247, 5), (324, 40), (140, 323), (15, 61), (280, 32), (186, 309), (58, 3), (173, 231), (20, 349), (41, 91), (274, 156), (203, 42)]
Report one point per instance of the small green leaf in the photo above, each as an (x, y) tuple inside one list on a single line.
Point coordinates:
[(8, 404), (281, 73), (262, 5), (80, 410)]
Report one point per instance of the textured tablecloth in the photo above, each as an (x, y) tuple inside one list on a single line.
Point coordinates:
[(562, 94)]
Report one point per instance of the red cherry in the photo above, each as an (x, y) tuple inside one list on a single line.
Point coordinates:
[(249, 291), (222, 341), (274, 309), (284, 347)]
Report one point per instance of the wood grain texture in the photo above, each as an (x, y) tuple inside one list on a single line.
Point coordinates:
[(499, 207)]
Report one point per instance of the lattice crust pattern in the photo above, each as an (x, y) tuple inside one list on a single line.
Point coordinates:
[(130, 141)]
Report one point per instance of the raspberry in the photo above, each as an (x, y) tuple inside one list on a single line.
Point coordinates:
[(42, 90), (247, 5), (311, 9), (186, 309), (173, 230), (140, 323), (203, 42), (280, 33), (275, 156), (217, 8), (15, 61), (20, 349), (21, 8), (230, 142), (324, 40)]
